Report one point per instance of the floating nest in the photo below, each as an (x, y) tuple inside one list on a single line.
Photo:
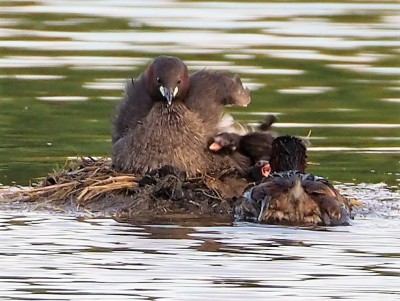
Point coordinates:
[(93, 186)]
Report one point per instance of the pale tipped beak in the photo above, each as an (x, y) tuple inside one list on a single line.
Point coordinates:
[(168, 94), (215, 147)]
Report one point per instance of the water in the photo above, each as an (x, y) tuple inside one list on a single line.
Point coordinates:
[(332, 68), (329, 67), (60, 258)]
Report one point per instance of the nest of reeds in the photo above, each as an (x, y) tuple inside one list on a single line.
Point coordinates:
[(93, 186)]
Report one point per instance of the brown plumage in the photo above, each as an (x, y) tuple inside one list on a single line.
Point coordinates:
[(288, 153), (167, 136), (163, 73), (161, 123), (210, 91), (256, 146), (291, 196)]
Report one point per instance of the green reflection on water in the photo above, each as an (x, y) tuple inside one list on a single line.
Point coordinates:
[(356, 168), (36, 136)]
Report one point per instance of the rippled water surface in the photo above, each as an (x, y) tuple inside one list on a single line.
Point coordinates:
[(59, 258), (331, 68)]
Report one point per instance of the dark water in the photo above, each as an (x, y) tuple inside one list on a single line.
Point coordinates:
[(332, 68), (329, 67)]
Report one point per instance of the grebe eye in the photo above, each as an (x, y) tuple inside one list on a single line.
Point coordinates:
[(179, 82), (158, 80)]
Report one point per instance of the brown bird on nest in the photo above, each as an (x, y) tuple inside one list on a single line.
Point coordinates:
[(167, 117), (289, 195)]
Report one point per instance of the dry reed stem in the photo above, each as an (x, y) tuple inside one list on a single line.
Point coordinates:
[(52, 187), (86, 183), (92, 191), (107, 185)]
